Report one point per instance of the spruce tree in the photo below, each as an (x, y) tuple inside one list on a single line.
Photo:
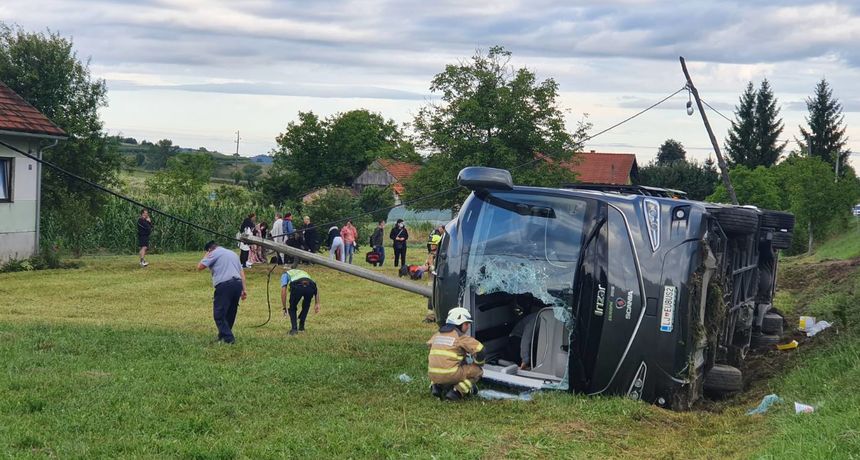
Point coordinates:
[(670, 152), (825, 137), (767, 129), (741, 145)]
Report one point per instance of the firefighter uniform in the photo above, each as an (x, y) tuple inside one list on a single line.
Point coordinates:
[(447, 360)]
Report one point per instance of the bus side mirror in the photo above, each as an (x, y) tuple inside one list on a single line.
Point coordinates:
[(483, 178)]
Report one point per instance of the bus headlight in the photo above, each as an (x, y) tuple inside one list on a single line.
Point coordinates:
[(652, 221)]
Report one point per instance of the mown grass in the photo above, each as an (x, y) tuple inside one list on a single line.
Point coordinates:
[(113, 361)]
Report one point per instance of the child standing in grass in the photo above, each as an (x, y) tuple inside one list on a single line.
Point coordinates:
[(144, 229)]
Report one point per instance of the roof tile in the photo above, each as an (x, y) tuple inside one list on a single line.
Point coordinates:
[(18, 115), (399, 169), (600, 167)]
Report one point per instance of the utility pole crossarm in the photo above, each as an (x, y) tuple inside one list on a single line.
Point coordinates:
[(724, 169)]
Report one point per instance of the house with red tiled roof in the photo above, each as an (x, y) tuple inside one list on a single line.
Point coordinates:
[(386, 173), (602, 168), (22, 128), (391, 173)]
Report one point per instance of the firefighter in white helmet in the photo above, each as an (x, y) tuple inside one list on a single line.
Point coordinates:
[(452, 377)]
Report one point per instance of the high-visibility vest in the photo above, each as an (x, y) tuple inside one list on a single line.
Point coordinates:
[(296, 275)]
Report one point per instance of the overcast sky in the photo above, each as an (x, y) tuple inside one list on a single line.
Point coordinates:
[(196, 71)]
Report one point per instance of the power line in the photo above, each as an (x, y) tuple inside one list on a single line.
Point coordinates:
[(717, 111), (442, 192), (635, 115), (588, 138), (213, 232), (111, 192)]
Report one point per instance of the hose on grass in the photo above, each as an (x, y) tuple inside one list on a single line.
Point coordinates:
[(268, 300)]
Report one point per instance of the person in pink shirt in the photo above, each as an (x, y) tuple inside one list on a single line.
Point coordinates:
[(349, 235)]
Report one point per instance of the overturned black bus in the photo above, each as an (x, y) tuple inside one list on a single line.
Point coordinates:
[(629, 291)]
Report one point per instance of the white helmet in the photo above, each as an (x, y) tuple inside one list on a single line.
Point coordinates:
[(458, 316)]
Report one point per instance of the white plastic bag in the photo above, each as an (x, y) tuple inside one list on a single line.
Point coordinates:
[(817, 327)]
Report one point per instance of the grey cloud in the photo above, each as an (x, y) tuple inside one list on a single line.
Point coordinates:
[(740, 32), (305, 90), (848, 105), (411, 39)]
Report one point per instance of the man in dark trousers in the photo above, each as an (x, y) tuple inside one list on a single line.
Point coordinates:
[(302, 288), (144, 229), (228, 278), (400, 235)]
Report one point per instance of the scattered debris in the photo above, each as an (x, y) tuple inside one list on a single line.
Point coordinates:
[(765, 404), (496, 395), (404, 378), (817, 327), (787, 346), (805, 323), (800, 408)]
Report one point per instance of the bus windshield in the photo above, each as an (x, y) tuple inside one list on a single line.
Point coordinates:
[(530, 244)]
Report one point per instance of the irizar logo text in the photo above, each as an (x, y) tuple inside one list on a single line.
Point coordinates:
[(601, 299)]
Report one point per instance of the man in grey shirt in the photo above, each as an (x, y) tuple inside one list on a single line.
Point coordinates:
[(228, 278)]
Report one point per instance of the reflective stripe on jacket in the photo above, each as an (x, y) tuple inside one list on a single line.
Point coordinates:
[(448, 350)]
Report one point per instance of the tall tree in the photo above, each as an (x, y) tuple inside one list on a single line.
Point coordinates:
[(698, 180), (825, 137), (741, 144), (345, 143), (767, 128), (252, 172), (185, 174), (160, 153), (45, 70), (670, 152), (490, 114), (356, 138)]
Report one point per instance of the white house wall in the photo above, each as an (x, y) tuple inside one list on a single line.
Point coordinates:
[(18, 218)]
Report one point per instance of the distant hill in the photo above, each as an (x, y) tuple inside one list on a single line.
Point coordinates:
[(264, 159), (225, 163)]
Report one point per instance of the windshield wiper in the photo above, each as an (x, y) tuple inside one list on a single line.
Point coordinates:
[(523, 209)]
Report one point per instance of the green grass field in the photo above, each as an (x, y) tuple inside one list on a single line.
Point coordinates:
[(111, 360)]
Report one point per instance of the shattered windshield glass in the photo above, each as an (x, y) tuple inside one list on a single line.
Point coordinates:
[(528, 252)]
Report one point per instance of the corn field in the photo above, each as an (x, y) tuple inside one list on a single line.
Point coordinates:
[(114, 229)]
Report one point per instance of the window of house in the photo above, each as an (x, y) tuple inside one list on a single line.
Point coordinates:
[(5, 179)]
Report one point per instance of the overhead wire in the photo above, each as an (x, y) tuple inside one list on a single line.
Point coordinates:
[(111, 192), (733, 122), (610, 128), (269, 275), (388, 208), (716, 111), (442, 192)]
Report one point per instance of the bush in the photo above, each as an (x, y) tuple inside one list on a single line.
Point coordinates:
[(803, 186), (46, 260), (332, 208), (378, 200)]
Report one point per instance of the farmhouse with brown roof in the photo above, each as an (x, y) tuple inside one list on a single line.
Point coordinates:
[(26, 129), (386, 173)]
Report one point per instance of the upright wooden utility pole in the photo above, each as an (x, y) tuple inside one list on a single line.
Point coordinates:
[(236, 155), (724, 170)]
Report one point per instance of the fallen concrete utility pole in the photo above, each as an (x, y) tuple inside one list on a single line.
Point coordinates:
[(350, 269)]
